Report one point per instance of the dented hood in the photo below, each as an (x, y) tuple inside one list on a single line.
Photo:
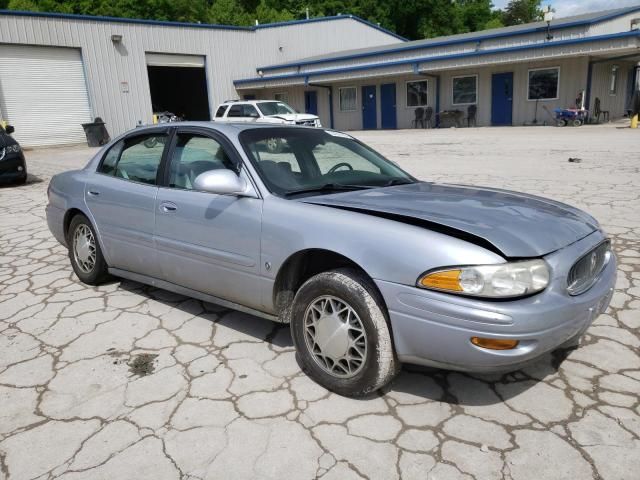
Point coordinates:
[(516, 224)]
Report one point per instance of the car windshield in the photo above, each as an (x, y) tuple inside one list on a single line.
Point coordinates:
[(275, 108), (296, 161)]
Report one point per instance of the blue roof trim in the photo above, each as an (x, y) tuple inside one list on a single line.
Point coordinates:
[(95, 18), (633, 33), (478, 38)]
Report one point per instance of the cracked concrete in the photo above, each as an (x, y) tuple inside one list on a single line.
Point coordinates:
[(226, 398)]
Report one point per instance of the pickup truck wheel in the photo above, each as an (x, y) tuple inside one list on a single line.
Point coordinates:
[(84, 252), (341, 333)]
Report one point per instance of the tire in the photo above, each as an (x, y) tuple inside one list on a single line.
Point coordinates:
[(372, 362), (577, 122), (561, 123), (93, 270)]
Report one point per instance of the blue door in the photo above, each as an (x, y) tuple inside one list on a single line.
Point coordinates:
[(388, 106), (311, 102), (369, 113), (502, 99)]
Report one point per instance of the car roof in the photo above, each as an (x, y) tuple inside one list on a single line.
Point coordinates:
[(253, 102), (227, 128)]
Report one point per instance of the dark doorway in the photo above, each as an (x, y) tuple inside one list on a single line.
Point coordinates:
[(502, 99), (179, 90)]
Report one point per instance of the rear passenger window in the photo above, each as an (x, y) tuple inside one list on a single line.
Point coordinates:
[(136, 159), (108, 165), (221, 110), (235, 111)]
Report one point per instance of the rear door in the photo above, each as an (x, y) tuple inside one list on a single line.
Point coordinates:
[(121, 198), (207, 242)]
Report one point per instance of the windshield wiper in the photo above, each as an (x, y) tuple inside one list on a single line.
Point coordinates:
[(328, 187), (398, 181)]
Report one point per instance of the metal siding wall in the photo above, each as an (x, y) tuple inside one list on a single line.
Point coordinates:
[(620, 24), (230, 54)]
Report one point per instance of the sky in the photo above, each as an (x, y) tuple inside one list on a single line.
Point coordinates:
[(566, 8)]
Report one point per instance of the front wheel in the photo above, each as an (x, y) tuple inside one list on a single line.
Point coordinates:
[(341, 333), (84, 252)]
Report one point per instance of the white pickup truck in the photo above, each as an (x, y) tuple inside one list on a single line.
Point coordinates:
[(263, 111)]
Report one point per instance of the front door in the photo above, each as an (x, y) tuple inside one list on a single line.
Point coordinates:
[(369, 112), (121, 197), (311, 102), (207, 242), (502, 99), (388, 106)]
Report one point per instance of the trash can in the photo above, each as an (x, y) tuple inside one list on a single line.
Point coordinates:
[(96, 133)]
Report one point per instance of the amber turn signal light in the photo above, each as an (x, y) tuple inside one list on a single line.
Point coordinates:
[(494, 343), (445, 280)]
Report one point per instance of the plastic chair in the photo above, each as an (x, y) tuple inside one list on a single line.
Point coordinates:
[(419, 112), (428, 117), (471, 115), (597, 112)]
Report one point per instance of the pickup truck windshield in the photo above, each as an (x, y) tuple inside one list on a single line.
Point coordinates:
[(275, 108), (297, 161)]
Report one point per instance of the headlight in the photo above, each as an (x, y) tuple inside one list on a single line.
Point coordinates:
[(13, 148), (318, 124), (514, 279)]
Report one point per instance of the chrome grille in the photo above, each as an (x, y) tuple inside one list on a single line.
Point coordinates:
[(586, 270), (306, 123)]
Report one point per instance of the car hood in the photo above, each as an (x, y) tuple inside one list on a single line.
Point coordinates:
[(295, 116), (516, 224)]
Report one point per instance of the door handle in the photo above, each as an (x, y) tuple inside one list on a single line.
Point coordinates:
[(93, 193), (168, 207)]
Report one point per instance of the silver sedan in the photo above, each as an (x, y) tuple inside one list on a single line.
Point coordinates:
[(369, 266)]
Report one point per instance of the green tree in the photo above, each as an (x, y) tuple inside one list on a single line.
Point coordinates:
[(522, 11)]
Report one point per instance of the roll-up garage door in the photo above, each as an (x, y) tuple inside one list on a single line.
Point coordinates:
[(43, 94)]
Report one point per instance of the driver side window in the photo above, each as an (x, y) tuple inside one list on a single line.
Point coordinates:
[(193, 155)]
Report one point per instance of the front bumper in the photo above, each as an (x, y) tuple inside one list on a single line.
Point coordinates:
[(13, 167), (434, 329)]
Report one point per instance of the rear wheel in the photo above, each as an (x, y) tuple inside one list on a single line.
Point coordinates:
[(577, 122), (341, 333), (84, 252)]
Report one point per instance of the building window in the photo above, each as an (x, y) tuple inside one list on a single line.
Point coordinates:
[(281, 97), (465, 90), (348, 99), (544, 83), (613, 83), (417, 93)]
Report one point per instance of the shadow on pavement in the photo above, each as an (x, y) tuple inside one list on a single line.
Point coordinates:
[(455, 388)]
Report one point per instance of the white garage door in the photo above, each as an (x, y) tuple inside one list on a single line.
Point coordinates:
[(43, 94)]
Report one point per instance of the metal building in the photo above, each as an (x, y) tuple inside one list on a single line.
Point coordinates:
[(508, 76), (59, 71)]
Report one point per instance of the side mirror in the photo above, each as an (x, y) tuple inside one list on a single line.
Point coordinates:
[(9, 129), (222, 182)]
